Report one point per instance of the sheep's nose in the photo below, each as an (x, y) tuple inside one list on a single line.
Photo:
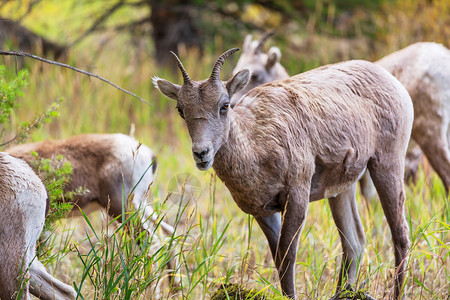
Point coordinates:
[(201, 153)]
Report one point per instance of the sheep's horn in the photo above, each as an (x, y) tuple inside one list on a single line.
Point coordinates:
[(215, 74), (263, 40), (186, 78)]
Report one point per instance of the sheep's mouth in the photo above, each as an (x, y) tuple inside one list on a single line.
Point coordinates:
[(204, 165)]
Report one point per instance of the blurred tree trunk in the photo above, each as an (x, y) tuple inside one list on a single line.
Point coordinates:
[(173, 24), (23, 39)]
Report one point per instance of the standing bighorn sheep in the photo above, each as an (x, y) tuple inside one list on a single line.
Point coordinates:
[(424, 70), (107, 165), (22, 215), (302, 139)]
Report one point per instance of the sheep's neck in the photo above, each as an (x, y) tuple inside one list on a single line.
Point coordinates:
[(237, 150)]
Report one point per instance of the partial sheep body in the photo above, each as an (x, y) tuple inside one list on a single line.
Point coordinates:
[(22, 215), (302, 139), (424, 70), (107, 165), (266, 67)]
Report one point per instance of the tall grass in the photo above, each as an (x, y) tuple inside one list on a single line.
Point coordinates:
[(215, 243)]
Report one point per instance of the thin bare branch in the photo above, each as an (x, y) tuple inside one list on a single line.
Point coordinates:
[(126, 26), (235, 17), (29, 9), (99, 21), (4, 2), (131, 25), (137, 3), (26, 128), (20, 53)]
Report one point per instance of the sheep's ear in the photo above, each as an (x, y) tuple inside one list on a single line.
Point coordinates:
[(166, 87), (238, 82), (274, 56), (247, 41)]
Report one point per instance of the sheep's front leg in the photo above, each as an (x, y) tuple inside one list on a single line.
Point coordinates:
[(294, 215), (271, 226)]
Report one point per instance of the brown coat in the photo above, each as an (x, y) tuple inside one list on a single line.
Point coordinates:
[(104, 164)]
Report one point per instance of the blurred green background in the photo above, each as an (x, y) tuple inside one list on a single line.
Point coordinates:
[(128, 41)]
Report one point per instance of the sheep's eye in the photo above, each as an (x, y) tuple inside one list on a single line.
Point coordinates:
[(224, 107), (180, 111), (254, 77)]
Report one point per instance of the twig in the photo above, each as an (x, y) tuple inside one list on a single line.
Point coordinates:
[(124, 26), (235, 17), (20, 53), (29, 9), (4, 2), (99, 21), (25, 129)]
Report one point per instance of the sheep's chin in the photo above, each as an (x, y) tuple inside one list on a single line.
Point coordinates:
[(203, 166)]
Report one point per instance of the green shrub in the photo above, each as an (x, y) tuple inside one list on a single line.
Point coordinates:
[(10, 90), (55, 173)]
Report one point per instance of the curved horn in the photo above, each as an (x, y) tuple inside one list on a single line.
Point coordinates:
[(263, 40), (186, 78), (215, 74)]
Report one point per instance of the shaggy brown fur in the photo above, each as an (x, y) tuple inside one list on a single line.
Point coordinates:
[(266, 67), (104, 164)]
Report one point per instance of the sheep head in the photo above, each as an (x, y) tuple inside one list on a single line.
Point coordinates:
[(205, 107), (264, 67)]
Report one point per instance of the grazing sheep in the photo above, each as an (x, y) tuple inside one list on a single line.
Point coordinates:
[(22, 215), (107, 165), (309, 137)]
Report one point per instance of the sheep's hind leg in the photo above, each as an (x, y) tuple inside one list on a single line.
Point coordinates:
[(14, 262), (436, 148), (346, 217), (387, 175)]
